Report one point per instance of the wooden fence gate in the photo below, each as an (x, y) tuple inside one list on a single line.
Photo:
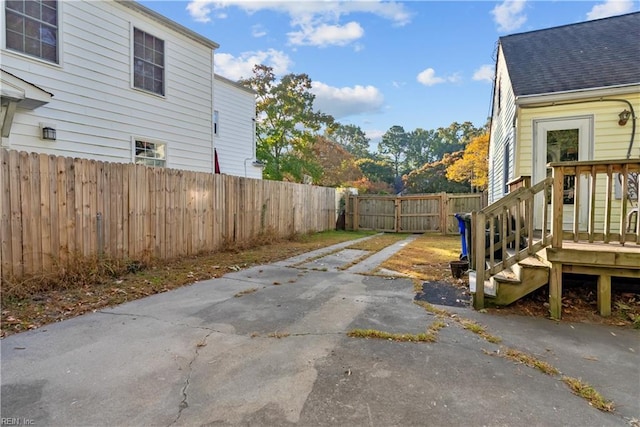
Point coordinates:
[(420, 213)]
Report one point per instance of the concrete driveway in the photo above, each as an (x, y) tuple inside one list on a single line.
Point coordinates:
[(200, 355)]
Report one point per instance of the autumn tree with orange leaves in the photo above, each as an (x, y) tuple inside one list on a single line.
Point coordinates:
[(473, 167)]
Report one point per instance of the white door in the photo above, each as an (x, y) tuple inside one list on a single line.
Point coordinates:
[(559, 140)]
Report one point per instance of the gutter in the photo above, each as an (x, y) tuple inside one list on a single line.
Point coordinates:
[(572, 95)]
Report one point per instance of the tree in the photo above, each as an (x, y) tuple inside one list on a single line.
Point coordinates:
[(420, 148), (339, 167), (286, 124), (454, 138), (473, 167), (394, 144), (351, 137), (432, 177), (377, 169)]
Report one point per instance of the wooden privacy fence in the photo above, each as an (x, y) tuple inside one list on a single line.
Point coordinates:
[(418, 213), (54, 208)]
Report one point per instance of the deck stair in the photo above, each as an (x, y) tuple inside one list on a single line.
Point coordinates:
[(514, 282)]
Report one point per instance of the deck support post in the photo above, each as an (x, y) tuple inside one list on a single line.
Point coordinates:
[(555, 291), (604, 295)]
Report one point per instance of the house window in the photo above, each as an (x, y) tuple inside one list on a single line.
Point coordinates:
[(506, 168), (150, 153), (148, 62), (216, 122), (32, 28)]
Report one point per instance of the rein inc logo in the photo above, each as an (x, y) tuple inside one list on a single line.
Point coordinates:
[(17, 421)]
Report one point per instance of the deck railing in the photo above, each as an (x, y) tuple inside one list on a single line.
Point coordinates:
[(605, 200), (504, 234), (610, 201)]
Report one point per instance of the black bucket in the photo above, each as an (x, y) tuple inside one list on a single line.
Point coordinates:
[(458, 268)]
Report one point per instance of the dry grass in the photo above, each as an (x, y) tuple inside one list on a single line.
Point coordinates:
[(532, 362), (278, 335), (90, 284), (381, 335), (246, 292), (587, 392), (378, 242), (426, 258)]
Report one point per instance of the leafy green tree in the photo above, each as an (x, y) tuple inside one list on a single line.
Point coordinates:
[(420, 148), (454, 138), (286, 124), (377, 169), (352, 138), (394, 144), (432, 177)]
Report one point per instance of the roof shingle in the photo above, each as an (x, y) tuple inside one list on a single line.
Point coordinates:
[(592, 54)]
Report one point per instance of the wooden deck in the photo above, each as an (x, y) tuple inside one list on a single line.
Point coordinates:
[(598, 259), (599, 222)]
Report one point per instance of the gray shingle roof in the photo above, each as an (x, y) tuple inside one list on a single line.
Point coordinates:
[(592, 54)]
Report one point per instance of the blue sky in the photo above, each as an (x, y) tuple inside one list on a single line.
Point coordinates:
[(417, 64)]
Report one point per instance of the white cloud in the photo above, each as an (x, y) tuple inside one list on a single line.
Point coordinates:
[(428, 78), (235, 68), (484, 73), (325, 34), (508, 15), (398, 85), (610, 8), (258, 31), (315, 23), (200, 10), (346, 101)]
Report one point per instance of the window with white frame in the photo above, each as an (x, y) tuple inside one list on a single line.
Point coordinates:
[(148, 62), (32, 28), (216, 122), (150, 153)]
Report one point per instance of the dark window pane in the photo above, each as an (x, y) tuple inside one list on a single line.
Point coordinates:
[(50, 53), (148, 40), (17, 5), (15, 41), (159, 58), (48, 35), (32, 8), (32, 47), (148, 54), (53, 4), (32, 29), (49, 15), (138, 36), (158, 87), (15, 22)]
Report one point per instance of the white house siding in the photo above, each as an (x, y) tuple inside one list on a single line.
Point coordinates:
[(235, 140), (96, 110), (501, 132)]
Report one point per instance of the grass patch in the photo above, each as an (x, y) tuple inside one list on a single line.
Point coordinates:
[(532, 362), (381, 335), (378, 242), (587, 392), (278, 335), (89, 284), (478, 329), (426, 258), (432, 309), (246, 292)]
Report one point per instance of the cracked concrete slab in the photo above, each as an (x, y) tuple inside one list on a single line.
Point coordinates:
[(203, 355)]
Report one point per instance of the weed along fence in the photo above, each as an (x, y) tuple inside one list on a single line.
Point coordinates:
[(418, 213), (55, 208)]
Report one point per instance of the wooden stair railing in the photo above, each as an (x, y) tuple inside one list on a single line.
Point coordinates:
[(507, 224)]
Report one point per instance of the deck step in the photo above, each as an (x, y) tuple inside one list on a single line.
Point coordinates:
[(515, 282), (490, 289)]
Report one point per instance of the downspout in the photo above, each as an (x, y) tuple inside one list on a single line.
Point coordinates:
[(213, 108), (253, 138), (633, 114)]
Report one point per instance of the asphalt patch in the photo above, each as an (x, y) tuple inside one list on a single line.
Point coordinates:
[(444, 293)]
